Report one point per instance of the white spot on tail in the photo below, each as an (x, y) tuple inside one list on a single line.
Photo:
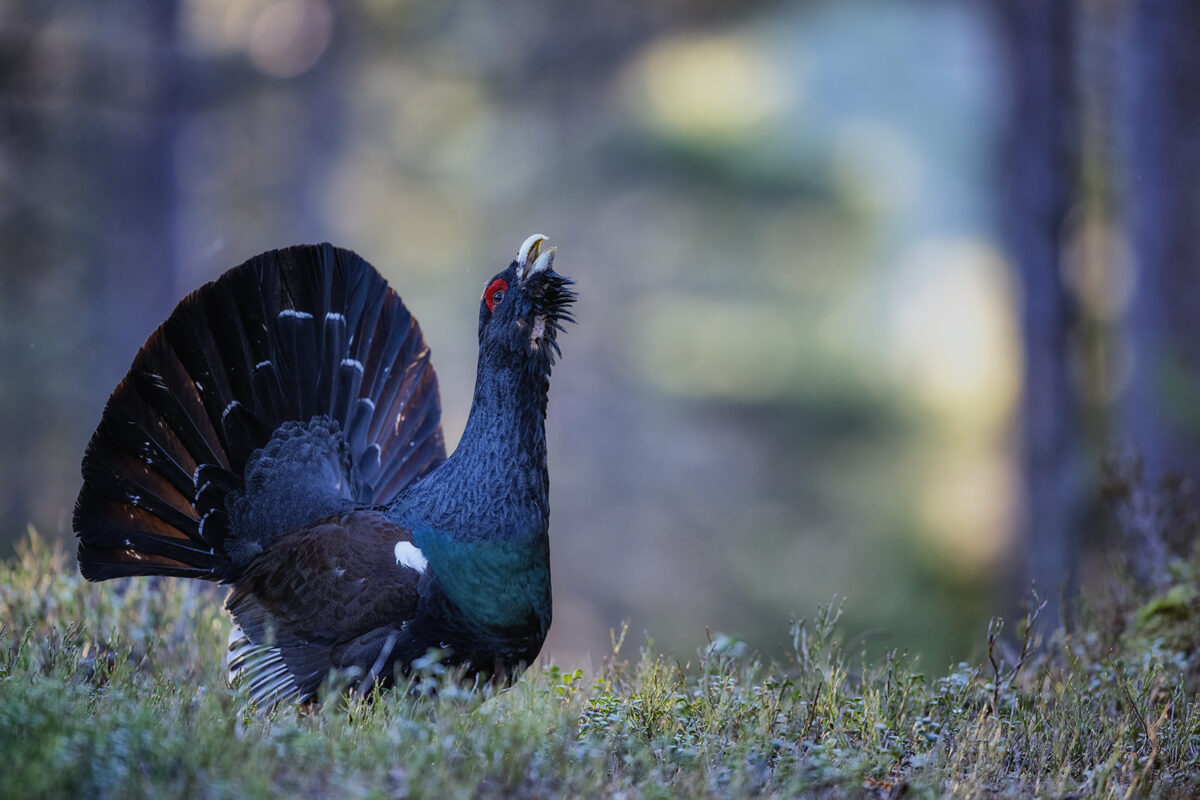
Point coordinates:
[(331, 316), (352, 362), (409, 555), (232, 405), (291, 312)]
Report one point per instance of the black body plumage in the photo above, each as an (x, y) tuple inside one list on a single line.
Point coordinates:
[(280, 432)]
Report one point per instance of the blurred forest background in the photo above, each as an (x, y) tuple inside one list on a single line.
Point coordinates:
[(869, 291)]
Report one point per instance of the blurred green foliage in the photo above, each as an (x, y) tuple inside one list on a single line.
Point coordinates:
[(794, 365)]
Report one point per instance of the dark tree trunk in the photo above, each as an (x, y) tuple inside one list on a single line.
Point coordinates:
[(1162, 107), (1038, 169), (131, 193), (86, 216)]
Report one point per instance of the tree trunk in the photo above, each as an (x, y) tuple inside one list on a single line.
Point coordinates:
[(1038, 179), (1162, 107), (86, 216)]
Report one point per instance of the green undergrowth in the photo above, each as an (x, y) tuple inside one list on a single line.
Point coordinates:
[(117, 691)]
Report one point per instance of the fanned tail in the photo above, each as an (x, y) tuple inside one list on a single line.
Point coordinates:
[(304, 349)]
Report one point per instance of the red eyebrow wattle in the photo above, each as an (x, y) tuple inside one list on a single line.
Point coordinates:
[(498, 285)]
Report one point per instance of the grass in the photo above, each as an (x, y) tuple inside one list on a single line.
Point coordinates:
[(109, 690)]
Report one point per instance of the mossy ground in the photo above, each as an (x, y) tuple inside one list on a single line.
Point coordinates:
[(111, 690)]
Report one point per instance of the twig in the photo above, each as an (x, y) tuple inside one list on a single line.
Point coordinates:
[(1140, 784), (994, 627), (812, 712)]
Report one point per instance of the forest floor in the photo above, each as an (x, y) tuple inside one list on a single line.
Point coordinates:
[(110, 691)]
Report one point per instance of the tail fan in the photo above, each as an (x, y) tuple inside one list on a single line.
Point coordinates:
[(304, 340)]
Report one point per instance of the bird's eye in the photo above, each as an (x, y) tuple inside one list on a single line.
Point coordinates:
[(494, 293)]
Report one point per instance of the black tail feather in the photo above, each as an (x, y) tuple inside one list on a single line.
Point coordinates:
[(290, 335)]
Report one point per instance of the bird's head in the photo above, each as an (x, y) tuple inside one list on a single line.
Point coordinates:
[(523, 308)]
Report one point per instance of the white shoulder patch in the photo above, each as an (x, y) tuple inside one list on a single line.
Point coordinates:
[(409, 555)]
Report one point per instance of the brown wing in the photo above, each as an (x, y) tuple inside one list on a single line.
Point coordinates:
[(337, 594)]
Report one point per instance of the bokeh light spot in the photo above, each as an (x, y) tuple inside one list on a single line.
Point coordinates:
[(289, 36), (954, 339), (710, 87)]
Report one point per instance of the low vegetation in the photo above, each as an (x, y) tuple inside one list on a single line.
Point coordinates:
[(118, 690)]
